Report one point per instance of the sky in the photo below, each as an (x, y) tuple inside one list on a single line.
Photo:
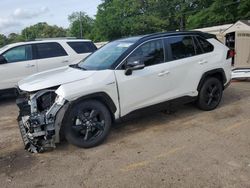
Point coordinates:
[(15, 15)]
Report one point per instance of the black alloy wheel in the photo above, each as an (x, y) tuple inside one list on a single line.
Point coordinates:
[(88, 124), (210, 94)]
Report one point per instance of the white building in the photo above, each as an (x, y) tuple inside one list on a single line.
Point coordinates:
[(235, 36)]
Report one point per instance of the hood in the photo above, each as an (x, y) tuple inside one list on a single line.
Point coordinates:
[(52, 78)]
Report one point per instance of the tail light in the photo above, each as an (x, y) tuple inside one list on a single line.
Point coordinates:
[(230, 54)]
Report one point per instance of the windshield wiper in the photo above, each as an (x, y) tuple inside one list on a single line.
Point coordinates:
[(76, 66)]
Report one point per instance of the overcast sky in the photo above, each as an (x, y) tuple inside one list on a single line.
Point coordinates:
[(18, 14)]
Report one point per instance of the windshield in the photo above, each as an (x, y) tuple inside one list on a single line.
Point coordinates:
[(106, 56)]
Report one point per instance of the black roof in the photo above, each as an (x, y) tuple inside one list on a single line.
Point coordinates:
[(166, 34)]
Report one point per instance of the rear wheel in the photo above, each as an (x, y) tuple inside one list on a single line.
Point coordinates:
[(88, 124), (210, 94)]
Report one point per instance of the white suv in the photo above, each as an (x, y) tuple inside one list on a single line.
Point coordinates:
[(20, 60), (80, 102)]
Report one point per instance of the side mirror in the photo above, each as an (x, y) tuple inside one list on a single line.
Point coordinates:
[(133, 65), (2, 60)]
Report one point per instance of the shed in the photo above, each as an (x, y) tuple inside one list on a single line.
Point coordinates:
[(216, 30), (237, 37)]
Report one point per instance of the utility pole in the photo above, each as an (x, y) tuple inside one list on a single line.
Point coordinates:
[(25, 34), (80, 19), (182, 23)]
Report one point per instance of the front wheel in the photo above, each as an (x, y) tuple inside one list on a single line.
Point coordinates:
[(88, 124), (210, 94)]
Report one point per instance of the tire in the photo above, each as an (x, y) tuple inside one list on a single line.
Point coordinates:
[(87, 124), (210, 94)]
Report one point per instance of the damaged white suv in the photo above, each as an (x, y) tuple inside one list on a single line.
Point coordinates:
[(80, 102)]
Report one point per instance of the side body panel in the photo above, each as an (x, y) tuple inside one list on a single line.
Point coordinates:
[(101, 81), (11, 73), (170, 80)]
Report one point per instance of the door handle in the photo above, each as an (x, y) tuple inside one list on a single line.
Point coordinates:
[(29, 66), (65, 61), (202, 62), (163, 73)]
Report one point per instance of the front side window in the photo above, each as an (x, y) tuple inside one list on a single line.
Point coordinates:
[(48, 50), (181, 47), (21, 53), (82, 47), (206, 46), (150, 53)]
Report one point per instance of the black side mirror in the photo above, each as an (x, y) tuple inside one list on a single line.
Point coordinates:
[(2, 60), (134, 65)]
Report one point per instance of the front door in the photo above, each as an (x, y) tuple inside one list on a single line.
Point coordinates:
[(19, 64), (147, 86)]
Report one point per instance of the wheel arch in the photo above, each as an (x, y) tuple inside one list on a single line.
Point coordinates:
[(103, 98), (217, 73), (99, 96)]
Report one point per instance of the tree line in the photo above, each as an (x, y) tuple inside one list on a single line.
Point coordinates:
[(118, 18)]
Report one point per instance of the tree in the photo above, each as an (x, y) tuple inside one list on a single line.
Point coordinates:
[(220, 12), (117, 18), (81, 25), (3, 40), (14, 37), (43, 30), (244, 10)]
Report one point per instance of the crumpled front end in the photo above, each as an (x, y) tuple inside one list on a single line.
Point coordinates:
[(37, 119)]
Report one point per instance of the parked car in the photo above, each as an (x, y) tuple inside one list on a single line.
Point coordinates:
[(82, 101), (20, 60)]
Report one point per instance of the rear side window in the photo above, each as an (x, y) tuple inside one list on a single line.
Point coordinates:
[(206, 46), (82, 47), (151, 53), (20, 53), (48, 50), (181, 47)]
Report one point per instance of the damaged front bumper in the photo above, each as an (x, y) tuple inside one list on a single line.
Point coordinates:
[(37, 120)]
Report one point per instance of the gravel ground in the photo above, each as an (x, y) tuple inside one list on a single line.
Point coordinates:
[(189, 148)]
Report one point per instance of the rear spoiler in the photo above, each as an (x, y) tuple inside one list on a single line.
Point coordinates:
[(209, 36), (205, 35)]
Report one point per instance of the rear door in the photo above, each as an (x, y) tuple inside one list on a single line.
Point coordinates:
[(183, 66), (19, 64), (50, 55)]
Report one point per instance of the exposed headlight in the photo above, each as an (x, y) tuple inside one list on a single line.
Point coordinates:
[(46, 100)]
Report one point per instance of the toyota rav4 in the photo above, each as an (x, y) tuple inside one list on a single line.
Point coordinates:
[(81, 102)]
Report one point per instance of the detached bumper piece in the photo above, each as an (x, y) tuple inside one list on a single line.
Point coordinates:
[(241, 73), (36, 123)]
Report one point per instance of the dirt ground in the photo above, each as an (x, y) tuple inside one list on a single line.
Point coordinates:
[(189, 148)]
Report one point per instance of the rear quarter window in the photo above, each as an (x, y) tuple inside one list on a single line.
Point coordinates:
[(181, 47), (82, 47), (205, 45)]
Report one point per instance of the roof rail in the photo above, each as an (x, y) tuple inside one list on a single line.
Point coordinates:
[(56, 38)]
